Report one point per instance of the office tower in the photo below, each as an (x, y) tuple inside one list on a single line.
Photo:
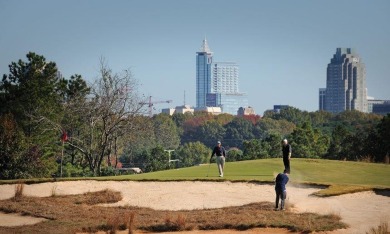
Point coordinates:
[(204, 59), (345, 82), (322, 99), (224, 88), (225, 77), (217, 83)]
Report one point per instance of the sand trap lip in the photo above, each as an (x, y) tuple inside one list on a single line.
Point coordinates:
[(361, 210), (13, 220)]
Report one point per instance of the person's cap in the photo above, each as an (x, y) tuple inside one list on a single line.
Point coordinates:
[(285, 140), (218, 142)]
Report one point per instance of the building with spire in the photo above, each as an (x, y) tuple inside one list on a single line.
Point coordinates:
[(204, 59), (345, 83), (217, 83)]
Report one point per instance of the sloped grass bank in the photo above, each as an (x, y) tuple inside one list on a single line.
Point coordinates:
[(337, 177)]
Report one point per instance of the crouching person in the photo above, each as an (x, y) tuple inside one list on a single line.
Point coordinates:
[(280, 189)]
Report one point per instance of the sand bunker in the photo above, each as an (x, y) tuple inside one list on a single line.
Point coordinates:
[(360, 210)]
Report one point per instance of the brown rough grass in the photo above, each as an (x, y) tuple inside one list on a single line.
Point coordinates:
[(79, 213), (383, 228), (19, 188)]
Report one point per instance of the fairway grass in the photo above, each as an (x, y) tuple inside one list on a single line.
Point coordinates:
[(339, 177)]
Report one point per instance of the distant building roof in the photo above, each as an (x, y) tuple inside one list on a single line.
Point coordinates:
[(178, 109), (213, 110), (245, 111)]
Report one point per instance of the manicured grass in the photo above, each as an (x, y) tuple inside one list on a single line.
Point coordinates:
[(342, 176), (341, 172), (307, 171)]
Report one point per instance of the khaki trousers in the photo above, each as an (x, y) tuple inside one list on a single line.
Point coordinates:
[(220, 164)]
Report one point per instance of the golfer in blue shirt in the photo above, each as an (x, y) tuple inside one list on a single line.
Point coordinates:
[(280, 189)]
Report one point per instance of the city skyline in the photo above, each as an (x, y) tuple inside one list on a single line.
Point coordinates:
[(282, 47)]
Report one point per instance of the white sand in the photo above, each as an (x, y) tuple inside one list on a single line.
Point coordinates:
[(360, 210)]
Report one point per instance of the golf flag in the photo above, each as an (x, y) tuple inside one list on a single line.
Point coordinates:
[(64, 136)]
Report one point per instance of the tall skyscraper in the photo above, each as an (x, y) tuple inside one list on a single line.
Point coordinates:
[(345, 83), (217, 83), (204, 59)]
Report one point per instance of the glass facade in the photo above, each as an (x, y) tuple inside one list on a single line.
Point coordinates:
[(321, 103), (231, 103), (225, 78), (345, 83), (213, 99), (381, 109), (217, 83), (204, 60)]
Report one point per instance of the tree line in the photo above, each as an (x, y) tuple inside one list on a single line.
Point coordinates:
[(54, 126)]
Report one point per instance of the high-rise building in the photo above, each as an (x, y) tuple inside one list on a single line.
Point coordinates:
[(204, 59), (345, 83), (225, 77), (217, 83), (322, 99)]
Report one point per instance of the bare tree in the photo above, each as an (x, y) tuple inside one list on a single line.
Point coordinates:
[(107, 115)]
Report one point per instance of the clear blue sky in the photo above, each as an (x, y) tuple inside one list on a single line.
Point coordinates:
[(282, 47)]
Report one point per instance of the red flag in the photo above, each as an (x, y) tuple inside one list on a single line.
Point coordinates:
[(64, 136)]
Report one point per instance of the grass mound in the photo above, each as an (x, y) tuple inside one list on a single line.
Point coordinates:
[(104, 196), (337, 189)]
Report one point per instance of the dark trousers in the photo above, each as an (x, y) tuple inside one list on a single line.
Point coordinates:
[(286, 163), (282, 196)]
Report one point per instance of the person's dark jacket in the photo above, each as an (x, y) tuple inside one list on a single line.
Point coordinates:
[(281, 181), (286, 149), (219, 151)]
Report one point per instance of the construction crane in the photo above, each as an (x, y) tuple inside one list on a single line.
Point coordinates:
[(150, 104)]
